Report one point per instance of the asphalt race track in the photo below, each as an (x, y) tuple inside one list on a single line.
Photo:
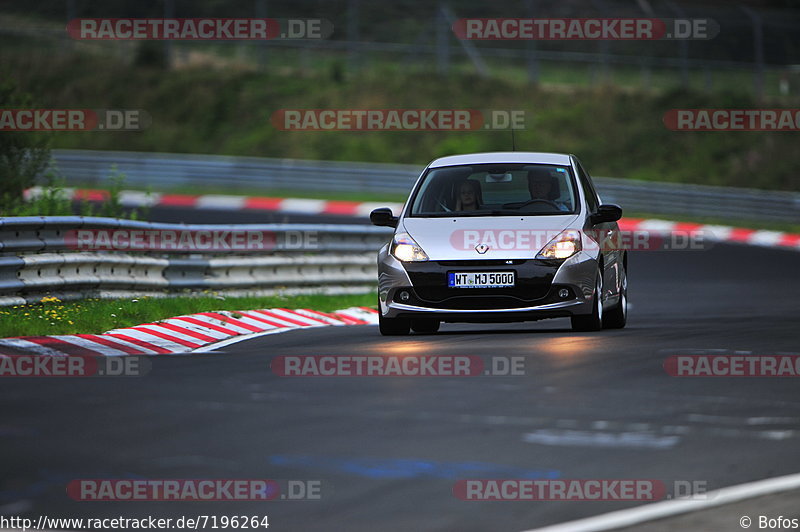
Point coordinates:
[(389, 450)]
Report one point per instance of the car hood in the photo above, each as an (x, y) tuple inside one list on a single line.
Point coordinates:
[(499, 237)]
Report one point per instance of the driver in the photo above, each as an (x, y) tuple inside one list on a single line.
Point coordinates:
[(544, 186)]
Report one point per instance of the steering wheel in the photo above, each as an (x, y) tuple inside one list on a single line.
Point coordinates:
[(519, 205)]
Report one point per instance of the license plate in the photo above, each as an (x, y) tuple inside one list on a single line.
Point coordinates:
[(480, 279)]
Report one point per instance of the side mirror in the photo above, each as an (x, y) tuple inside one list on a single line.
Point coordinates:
[(606, 213), (383, 217)]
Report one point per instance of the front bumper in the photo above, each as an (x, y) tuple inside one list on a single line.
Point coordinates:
[(424, 291)]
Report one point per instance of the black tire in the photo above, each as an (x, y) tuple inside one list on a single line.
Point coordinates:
[(617, 317), (593, 321), (425, 325), (394, 326)]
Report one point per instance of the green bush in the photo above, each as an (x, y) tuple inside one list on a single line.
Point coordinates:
[(23, 155), (52, 200)]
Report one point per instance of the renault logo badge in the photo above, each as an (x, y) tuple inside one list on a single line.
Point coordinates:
[(481, 248)]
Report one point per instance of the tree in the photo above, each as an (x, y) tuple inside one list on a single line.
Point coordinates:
[(23, 155)]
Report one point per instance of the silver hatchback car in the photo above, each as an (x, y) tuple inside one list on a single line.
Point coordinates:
[(501, 237)]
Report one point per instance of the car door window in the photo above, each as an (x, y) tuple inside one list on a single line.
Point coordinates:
[(592, 200)]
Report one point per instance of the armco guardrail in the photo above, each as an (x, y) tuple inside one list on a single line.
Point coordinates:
[(91, 168), (162, 170), (46, 256)]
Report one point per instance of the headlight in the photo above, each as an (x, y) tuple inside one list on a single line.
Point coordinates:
[(566, 244), (406, 250)]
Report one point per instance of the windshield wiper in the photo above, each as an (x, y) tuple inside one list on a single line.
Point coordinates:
[(464, 214), (495, 212)]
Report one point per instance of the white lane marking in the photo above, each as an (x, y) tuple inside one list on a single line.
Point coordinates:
[(140, 350), (195, 342), (136, 198), (260, 325), (330, 320), (367, 207), (221, 323), (360, 313), (16, 507), (310, 206), (180, 321), (738, 421), (244, 337), (26, 345), (656, 226), (33, 193), (90, 345), (310, 318), (273, 318), (141, 333), (214, 201), (776, 434), (772, 420), (259, 318), (706, 418), (236, 339), (660, 510), (293, 316), (765, 238), (582, 438), (716, 232), (131, 344)]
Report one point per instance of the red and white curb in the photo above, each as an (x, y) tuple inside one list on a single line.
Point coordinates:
[(135, 198), (715, 233), (193, 333)]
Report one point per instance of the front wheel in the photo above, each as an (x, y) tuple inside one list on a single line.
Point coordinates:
[(593, 321), (393, 326), (617, 317)]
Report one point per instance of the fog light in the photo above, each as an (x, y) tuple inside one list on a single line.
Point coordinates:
[(563, 293), (404, 296)]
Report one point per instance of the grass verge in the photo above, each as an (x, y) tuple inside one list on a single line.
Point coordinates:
[(94, 316), (615, 131)]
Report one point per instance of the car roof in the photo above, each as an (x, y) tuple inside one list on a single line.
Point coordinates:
[(503, 157)]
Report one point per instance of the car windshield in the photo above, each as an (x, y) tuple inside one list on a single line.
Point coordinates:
[(495, 190)]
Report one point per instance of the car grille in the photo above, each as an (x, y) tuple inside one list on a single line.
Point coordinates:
[(432, 288), (481, 263), (483, 303)]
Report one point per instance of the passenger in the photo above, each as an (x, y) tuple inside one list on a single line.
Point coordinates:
[(469, 196)]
